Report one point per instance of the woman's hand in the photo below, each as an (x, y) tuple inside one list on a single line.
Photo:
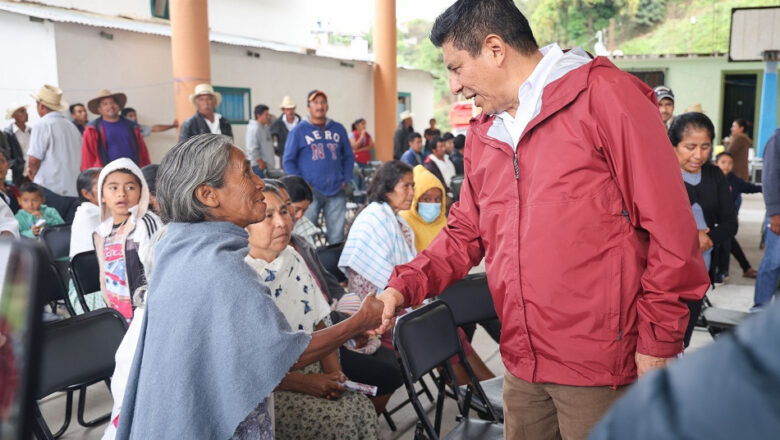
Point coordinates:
[(705, 242), (370, 313), (328, 385)]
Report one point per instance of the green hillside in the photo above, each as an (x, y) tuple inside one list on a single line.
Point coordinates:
[(678, 34), (640, 26)]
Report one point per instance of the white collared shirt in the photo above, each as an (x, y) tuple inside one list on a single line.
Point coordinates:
[(292, 124), (23, 136), (446, 167), (214, 126), (530, 93)]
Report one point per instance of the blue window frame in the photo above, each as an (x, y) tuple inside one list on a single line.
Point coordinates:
[(236, 104), (160, 9)]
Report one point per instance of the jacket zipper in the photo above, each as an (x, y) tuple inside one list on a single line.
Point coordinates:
[(517, 169)]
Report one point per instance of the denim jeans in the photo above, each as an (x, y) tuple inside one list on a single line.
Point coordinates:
[(260, 173), (335, 208), (769, 270)]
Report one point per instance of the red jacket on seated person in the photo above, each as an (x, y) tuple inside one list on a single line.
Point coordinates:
[(95, 152)]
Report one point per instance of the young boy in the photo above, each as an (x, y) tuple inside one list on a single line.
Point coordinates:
[(33, 210), (124, 232), (725, 161)]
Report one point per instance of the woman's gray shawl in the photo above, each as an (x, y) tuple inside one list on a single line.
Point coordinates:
[(213, 345)]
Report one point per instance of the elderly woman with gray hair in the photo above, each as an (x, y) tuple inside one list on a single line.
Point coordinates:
[(212, 345)]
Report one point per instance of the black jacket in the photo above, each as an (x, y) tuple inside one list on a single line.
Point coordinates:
[(16, 161), (280, 132), (196, 124), (457, 159), (399, 140), (714, 197)]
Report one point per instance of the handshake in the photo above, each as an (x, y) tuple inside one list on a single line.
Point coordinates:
[(377, 312)]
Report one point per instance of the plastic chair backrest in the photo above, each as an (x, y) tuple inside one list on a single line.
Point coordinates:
[(85, 272), (57, 240), (329, 258), (79, 350), (274, 173), (50, 287), (470, 300), (425, 338)]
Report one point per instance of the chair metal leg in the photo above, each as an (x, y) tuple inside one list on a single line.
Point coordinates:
[(68, 414), (40, 428), (80, 413), (389, 419)]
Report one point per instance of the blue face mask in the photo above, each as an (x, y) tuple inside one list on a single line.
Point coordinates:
[(429, 211)]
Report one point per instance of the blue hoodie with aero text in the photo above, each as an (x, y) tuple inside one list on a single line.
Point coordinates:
[(323, 157)]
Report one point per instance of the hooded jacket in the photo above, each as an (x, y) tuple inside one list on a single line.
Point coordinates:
[(141, 225), (94, 151), (424, 233), (590, 245), (323, 157)]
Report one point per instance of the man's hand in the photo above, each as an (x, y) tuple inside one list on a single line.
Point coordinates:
[(645, 363), (774, 224), (370, 313), (36, 230), (393, 300), (705, 242), (343, 185)]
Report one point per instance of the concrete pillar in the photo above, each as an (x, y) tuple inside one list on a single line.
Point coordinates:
[(385, 79), (190, 51), (768, 112)]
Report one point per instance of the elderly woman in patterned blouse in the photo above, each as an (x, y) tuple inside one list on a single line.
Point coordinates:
[(311, 402)]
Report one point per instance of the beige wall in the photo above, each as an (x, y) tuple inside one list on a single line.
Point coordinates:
[(140, 66), (36, 58)]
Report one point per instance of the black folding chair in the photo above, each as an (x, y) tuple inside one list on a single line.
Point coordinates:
[(76, 353), (85, 273), (455, 185), (717, 320), (425, 339), (471, 302), (274, 173), (51, 288), (329, 258), (57, 241)]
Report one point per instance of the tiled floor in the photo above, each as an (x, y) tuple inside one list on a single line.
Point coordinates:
[(736, 294)]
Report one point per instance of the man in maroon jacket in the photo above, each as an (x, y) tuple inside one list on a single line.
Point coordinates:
[(589, 241)]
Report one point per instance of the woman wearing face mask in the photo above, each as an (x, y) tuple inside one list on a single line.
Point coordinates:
[(427, 215)]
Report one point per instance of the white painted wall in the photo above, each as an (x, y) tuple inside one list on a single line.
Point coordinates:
[(125, 8), (420, 85), (28, 66), (140, 66)]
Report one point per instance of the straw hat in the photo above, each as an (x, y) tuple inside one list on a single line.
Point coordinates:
[(406, 114), (205, 89), (287, 102), (695, 108), (94, 103), (9, 113), (51, 98)]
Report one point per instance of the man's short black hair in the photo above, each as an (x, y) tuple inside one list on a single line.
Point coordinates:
[(724, 153), (126, 111), (260, 109), (72, 107), (447, 136), (460, 141), (412, 137), (466, 23)]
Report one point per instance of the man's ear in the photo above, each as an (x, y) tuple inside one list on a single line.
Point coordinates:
[(495, 48), (207, 195)]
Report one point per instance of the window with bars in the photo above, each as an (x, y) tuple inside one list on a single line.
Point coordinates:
[(236, 104)]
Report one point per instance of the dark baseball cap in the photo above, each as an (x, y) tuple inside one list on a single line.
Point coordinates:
[(314, 93), (662, 92)]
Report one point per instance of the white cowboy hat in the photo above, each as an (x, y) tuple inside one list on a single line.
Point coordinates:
[(50, 97), (406, 114), (205, 89), (287, 102), (94, 103), (9, 113)]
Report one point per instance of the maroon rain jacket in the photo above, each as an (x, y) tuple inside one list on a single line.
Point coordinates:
[(589, 238)]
